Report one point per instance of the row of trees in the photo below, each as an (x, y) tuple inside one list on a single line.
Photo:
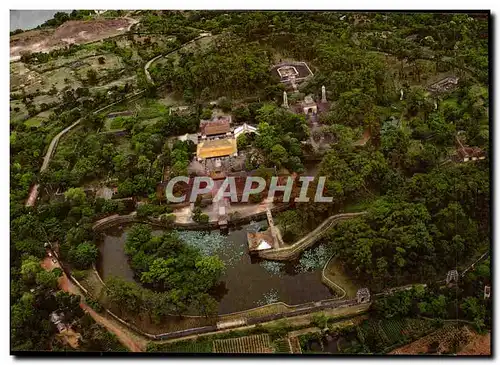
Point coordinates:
[(464, 301)]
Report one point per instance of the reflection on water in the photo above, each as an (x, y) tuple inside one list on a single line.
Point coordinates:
[(247, 283)]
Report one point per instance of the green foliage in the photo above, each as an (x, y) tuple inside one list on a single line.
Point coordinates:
[(435, 212), (199, 217), (319, 320), (173, 267), (95, 305), (438, 303), (83, 255), (97, 338), (151, 210), (385, 244), (377, 336), (227, 68), (75, 195), (290, 224)]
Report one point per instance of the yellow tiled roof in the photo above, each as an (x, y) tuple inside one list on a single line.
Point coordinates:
[(216, 148)]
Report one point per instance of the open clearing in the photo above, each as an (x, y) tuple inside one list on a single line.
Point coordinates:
[(71, 32)]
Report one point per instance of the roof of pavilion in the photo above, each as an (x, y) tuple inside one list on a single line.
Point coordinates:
[(216, 148)]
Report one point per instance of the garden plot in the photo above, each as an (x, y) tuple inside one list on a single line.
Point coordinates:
[(45, 99), (60, 78), (189, 347), (35, 121), (132, 80), (20, 76), (448, 339), (111, 62), (257, 344), (18, 111), (125, 43), (39, 119), (72, 61), (392, 332)]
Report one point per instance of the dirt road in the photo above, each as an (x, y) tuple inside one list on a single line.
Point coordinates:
[(123, 335)]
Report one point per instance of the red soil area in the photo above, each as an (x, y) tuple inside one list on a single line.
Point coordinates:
[(480, 345), (66, 285)]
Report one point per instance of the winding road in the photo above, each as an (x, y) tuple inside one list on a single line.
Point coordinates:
[(122, 334), (35, 189)]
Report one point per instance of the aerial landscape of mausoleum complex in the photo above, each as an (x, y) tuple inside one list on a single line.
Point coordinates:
[(127, 127)]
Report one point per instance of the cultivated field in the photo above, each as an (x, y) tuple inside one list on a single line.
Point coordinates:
[(451, 339), (257, 344)]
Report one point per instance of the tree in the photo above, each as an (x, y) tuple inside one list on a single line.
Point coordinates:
[(290, 223), (92, 77), (242, 141), (210, 268), (84, 255), (159, 272), (198, 216), (30, 267), (76, 196), (474, 310), (138, 236), (126, 296), (48, 279), (206, 304), (278, 156)]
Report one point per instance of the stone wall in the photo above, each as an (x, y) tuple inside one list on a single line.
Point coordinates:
[(114, 220), (294, 250)]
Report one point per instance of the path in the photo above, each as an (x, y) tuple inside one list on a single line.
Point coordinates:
[(288, 252), (66, 285), (146, 68), (33, 195), (50, 151), (150, 62)]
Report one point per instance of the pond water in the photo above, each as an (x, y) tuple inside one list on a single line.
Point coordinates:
[(247, 283)]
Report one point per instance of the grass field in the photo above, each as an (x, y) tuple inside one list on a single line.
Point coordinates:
[(35, 121)]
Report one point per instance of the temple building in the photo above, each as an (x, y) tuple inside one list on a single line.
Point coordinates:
[(216, 127), (216, 139), (213, 148), (309, 106), (292, 73)]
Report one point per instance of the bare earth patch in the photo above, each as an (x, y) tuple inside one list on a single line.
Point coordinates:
[(71, 32), (459, 340)]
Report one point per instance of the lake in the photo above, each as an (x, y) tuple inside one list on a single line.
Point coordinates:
[(247, 283)]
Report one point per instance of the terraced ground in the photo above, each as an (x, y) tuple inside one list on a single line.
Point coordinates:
[(391, 332), (257, 344), (253, 344)]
